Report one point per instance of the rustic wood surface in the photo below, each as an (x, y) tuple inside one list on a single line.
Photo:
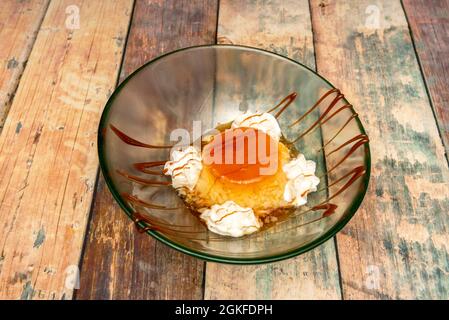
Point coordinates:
[(19, 23), (283, 27), (395, 247), (390, 59), (430, 30), (120, 263), (48, 161)]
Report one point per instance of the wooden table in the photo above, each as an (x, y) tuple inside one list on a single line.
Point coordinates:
[(60, 61)]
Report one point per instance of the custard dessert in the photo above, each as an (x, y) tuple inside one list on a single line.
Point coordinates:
[(242, 176)]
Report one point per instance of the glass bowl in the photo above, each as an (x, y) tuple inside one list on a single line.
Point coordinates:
[(177, 93)]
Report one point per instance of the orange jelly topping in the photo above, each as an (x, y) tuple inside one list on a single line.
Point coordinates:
[(242, 155)]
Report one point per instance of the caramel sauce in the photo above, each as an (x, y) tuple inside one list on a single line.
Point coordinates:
[(142, 181), (329, 209), (142, 167), (133, 142), (247, 172), (237, 155)]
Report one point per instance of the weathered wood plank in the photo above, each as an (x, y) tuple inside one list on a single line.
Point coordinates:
[(19, 22), (396, 245), (48, 160), (120, 263), (283, 27), (430, 30)]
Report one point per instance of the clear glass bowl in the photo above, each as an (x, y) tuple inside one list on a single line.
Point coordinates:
[(213, 84)]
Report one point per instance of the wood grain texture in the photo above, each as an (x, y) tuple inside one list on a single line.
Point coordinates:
[(120, 263), (48, 161), (430, 30), (19, 23), (396, 246), (285, 28)]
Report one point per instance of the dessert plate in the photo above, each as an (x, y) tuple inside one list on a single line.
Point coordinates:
[(183, 94)]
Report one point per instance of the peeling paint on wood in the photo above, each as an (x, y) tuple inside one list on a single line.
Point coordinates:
[(12, 63), (40, 237), (19, 22), (28, 292), (19, 126), (429, 25)]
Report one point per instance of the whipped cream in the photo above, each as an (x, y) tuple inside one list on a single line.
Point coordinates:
[(230, 219), (301, 180), (185, 168), (261, 121)]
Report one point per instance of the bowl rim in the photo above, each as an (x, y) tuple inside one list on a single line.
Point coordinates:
[(352, 209)]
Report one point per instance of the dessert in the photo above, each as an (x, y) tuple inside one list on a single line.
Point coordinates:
[(245, 175)]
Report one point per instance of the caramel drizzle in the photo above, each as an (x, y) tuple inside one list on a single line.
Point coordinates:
[(329, 208), (283, 104), (315, 106), (319, 122), (353, 116), (142, 181), (354, 171), (361, 139), (139, 219), (128, 140), (252, 116), (354, 174), (261, 121), (155, 224), (136, 200), (144, 224), (186, 165), (142, 167), (225, 216), (154, 221)]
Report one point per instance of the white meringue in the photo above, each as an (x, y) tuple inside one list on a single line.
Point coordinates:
[(184, 168), (230, 219), (261, 121), (301, 180)]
